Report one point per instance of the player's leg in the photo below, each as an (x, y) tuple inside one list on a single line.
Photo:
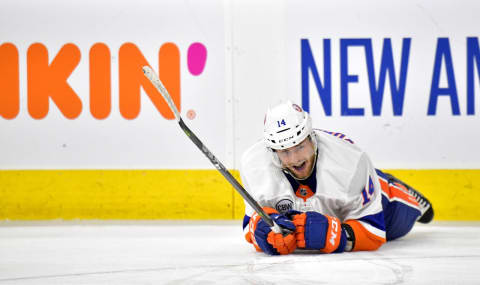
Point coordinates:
[(401, 209), (425, 205)]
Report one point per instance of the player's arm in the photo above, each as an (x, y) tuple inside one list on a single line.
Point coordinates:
[(263, 237), (328, 235), (363, 212), (266, 239), (258, 232), (363, 223), (246, 221)]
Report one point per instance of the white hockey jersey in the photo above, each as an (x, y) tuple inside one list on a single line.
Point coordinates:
[(347, 186)]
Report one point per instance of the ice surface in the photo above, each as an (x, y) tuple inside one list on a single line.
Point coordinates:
[(216, 253)]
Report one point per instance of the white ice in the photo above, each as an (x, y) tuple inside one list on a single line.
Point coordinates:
[(216, 253)]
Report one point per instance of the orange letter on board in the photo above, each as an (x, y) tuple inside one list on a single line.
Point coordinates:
[(9, 82), (47, 81), (100, 82), (131, 78)]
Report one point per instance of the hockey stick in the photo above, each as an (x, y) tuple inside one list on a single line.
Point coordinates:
[(150, 74)]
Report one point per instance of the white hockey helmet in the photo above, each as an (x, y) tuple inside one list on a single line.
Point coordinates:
[(286, 125)]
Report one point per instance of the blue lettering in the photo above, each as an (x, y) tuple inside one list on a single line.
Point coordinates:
[(443, 52), (308, 64), (346, 78), (473, 53), (387, 66)]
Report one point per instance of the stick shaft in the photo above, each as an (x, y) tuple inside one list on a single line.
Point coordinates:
[(150, 74), (238, 187)]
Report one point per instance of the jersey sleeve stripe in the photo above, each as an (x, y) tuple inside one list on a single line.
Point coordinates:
[(246, 229), (246, 220), (365, 239), (397, 193), (373, 230), (376, 220)]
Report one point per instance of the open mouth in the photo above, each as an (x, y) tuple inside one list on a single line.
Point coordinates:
[(300, 167)]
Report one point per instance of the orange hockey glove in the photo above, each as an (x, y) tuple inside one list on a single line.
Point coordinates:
[(266, 240)]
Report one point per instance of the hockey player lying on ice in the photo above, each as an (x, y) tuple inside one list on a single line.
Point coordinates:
[(324, 189)]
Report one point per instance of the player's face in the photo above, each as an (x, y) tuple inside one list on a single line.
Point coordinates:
[(298, 159)]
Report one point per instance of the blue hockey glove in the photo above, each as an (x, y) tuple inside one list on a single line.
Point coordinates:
[(317, 231)]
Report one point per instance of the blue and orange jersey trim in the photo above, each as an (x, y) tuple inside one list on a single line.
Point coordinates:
[(246, 231), (338, 135), (367, 237), (396, 191)]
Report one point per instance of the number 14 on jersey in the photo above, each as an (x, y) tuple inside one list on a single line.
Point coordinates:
[(367, 194)]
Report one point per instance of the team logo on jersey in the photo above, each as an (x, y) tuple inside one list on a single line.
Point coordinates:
[(304, 192), (284, 206)]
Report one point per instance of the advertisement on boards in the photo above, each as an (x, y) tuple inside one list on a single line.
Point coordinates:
[(74, 95), (402, 78)]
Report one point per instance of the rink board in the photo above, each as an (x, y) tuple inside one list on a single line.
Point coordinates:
[(185, 194), (400, 79)]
